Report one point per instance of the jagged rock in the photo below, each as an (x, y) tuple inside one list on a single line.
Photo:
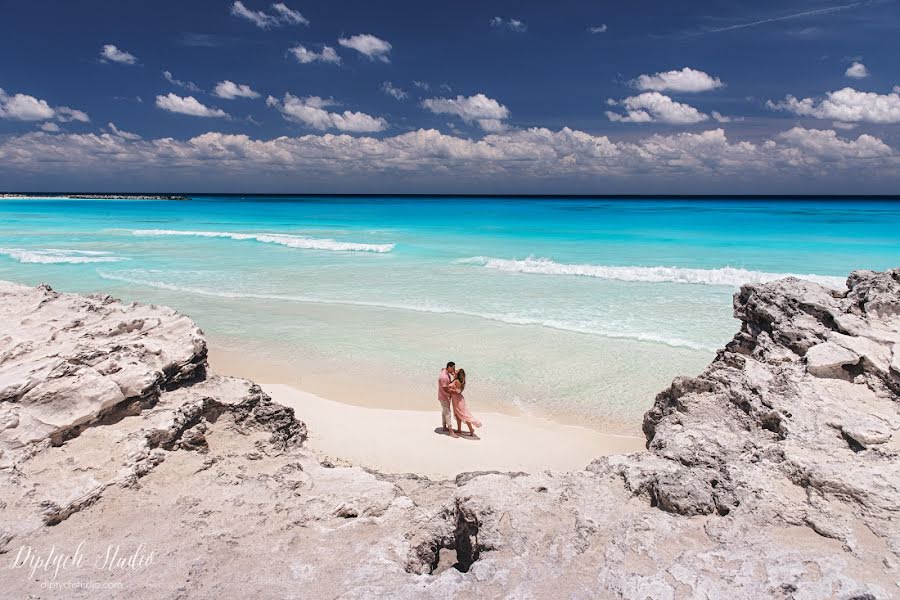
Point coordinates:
[(772, 474), (866, 430), (828, 360), (68, 361)]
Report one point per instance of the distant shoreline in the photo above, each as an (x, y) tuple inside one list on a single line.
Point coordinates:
[(24, 196)]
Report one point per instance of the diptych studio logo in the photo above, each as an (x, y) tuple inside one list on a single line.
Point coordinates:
[(49, 565)]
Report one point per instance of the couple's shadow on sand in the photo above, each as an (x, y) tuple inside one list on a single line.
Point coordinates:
[(465, 434)]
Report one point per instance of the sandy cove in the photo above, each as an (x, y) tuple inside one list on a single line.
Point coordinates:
[(410, 441), (773, 474)]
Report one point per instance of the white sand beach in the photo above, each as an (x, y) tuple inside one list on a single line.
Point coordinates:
[(410, 441), (400, 433)]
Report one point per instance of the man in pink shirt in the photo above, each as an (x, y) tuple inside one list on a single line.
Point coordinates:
[(444, 395)]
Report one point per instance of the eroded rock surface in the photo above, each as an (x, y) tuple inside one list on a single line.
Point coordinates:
[(773, 474)]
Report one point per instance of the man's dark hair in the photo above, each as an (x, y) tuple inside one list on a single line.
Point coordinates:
[(451, 364)]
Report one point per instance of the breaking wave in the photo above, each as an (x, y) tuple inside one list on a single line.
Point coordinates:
[(57, 256), (726, 276), (282, 239)]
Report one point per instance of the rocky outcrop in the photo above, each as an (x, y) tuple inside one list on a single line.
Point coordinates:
[(773, 474)]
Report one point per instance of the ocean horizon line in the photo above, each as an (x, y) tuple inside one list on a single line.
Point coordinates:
[(239, 195)]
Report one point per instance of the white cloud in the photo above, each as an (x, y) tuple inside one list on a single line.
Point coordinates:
[(846, 105), (487, 112), (257, 17), (520, 157), (122, 134), (66, 114), (391, 90), (110, 53), (230, 90), (511, 24), (685, 80), (49, 126), (283, 16), (187, 105), (305, 56), (720, 117), (598, 29), (312, 111), (826, 145), (651, 107), (188, 85), (422, 85), (291, 17), (22, 107), (857, 71), (368, 45)]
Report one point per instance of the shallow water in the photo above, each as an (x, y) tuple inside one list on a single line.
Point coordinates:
[(575, 309)]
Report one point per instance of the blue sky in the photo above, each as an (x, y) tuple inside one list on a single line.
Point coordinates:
[(574, 96)]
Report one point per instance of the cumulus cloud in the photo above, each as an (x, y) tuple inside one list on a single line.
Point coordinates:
[(22, 107), (846, 105), (187, 105), (653, 107), (597, 29), (422, 85), (857, 71), (188, 85), (510, 24), (49, 126), (110, 53), (685, 80), (305, 56), (368, 45), (826, 145), (391, 90), (312, 111), (230, 90), (283, 16), (486, 112), (518, 157)]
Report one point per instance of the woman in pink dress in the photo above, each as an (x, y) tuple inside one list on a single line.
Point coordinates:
[(460, 410)]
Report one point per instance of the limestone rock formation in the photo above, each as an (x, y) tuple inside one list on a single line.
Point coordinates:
[(773, 474)]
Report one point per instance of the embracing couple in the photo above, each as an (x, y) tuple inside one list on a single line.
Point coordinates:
[(451, 384)]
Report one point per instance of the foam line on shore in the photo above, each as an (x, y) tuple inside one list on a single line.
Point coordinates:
[(58, 256), (725, 276), (291, 241)]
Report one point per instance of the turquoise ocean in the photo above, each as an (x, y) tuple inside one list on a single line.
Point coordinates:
[(578, 310)]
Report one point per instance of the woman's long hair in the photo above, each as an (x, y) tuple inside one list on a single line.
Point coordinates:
[(461, 378)]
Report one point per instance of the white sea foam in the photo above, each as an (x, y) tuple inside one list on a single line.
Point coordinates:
[(283, 239), (726, 276), (508, 318), (57, 256)]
